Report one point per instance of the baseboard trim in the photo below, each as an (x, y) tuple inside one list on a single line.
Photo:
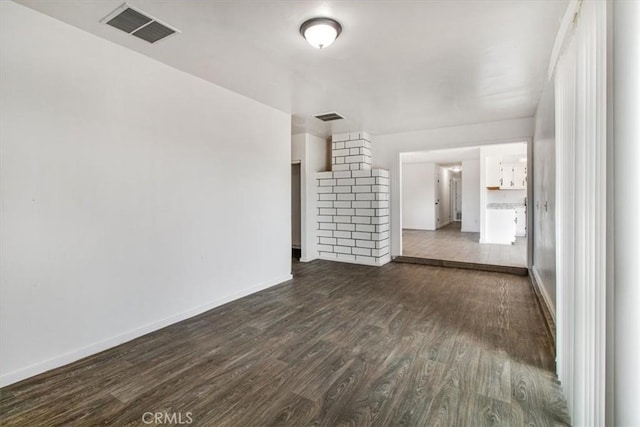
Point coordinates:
[(518, 271), (75, 355), (467, 230), (544, 301), (383, 260)]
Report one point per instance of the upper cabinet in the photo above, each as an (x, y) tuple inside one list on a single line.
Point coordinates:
[(520, 176), (513, 176), (494, 173)]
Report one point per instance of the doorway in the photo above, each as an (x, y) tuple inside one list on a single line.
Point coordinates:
[(296, 211), (452, 212), (456, 194)]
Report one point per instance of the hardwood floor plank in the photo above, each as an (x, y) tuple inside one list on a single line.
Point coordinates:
[(340, 344)]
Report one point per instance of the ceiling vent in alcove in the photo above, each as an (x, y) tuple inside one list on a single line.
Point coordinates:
[(327, 117), (137, 23)]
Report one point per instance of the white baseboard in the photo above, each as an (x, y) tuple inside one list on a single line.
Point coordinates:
[(444, 224), (543, 292), (383, 260), (77, 354)]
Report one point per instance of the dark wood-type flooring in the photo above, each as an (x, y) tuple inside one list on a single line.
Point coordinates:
[(340, 344)]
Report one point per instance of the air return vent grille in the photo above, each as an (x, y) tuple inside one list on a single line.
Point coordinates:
[(137, 23), (327, 117)]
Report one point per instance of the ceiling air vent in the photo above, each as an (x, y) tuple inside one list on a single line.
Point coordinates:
[(137, 23), (327, 117)]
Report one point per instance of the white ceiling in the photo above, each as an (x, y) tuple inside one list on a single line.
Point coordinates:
[(398, 65), (511, 152)]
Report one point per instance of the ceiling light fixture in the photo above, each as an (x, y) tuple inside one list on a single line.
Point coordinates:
[(320, 32), (456, 169)]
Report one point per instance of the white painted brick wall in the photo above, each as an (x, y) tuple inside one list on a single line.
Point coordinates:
[(361, 173), (342, 249), (361, 220), (342, 174), (346, 242), (351, 154), (327, 240), (330, 196), (360, 235), (347, 196), (361, 251), (348, 212), (365, 244), (361, 204), (366, 196), (347, 227), (353, 204)]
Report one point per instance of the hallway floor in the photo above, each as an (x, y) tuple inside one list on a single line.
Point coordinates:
[(449, 243)]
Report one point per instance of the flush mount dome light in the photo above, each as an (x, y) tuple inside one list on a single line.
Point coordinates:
[(320, 32)]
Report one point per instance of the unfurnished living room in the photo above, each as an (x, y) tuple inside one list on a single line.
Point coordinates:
[(248, 213)]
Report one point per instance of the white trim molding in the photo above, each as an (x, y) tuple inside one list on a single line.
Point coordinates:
[(581, 202), (543, 291)]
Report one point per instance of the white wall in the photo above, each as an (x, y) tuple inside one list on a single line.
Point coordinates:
[(626, 65), (386, 151), (313, 154), (543, 204), (470, 196), (133, 195), (418, 196)]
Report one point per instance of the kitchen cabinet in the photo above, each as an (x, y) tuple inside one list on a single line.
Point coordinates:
[(493, 172), (520, 176), (500, 226), (521, 221), (513, 176)]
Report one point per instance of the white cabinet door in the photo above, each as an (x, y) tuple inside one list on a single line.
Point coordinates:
[(521, 222), (514, 176), (519, 176), (500, 226), (493, 172), (506, 176)]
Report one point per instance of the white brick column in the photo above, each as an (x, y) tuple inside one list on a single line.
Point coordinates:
[(353, 204), (351, 151)]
